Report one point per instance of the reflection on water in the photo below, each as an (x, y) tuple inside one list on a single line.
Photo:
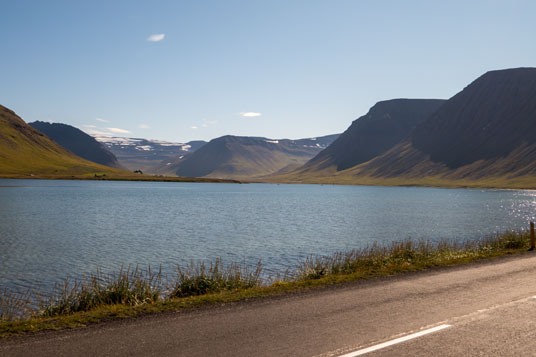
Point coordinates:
[(53, 229)]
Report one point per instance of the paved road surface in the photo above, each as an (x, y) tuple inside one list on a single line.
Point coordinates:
[(483, 309)]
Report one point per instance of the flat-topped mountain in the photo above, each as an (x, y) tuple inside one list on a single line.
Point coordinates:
[(249, 157), (487, 131), (78, 142), (483, 136), (150, 156), (386, 124), (26, 151)]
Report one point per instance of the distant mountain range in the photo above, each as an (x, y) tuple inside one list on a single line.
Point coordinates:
[(224, 157), (150, 156), (26, 152), (485, 135), (248, 157), (78, 142)]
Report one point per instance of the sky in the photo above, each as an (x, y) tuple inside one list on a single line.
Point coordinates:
[(196, 70)]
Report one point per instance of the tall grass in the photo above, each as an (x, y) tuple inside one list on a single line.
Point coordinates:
[(131, 287), (200, 278), (410, 255), (15, 305), (128, 287)]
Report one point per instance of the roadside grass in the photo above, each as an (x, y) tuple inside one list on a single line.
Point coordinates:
[(133, 292), (128, 287)]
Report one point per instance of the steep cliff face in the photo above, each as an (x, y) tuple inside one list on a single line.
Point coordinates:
[(488, 130), (489, 119), (386, 124), (484, 136)]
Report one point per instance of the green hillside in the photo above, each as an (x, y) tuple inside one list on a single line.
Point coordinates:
[(26, 152), (239, 157)]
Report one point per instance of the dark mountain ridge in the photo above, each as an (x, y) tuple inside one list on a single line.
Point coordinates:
[(78, 142), (485, 132), (490, 118), (484, 136), (385, 125)]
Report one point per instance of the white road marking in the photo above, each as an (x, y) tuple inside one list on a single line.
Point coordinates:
[(447, 323), (396, 340)]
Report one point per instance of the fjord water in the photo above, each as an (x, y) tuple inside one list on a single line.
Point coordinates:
[(50, 230)]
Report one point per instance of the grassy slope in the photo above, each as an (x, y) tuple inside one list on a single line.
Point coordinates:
[(419, 170), (26, 151), (240, 158), (248, 162)]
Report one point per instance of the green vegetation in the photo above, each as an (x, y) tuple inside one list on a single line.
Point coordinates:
[(127, 288), (26, 151), (133, 292), (200, 279), (329, 177), (124, 176)]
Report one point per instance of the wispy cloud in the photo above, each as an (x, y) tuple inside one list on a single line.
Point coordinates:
[(250, 114), (157, 37), (207, 123), (119, 131), (193, 127), (89, 126), (98, 132), (144, 126), (102, 120)]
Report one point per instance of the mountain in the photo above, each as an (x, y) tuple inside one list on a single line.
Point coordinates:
[(78, 142), (484, 136), (150, 156), (249, 157), (25, 151), (386, 124), (487, 131)]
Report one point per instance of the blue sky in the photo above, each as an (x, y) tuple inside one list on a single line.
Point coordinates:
[(274, 68)]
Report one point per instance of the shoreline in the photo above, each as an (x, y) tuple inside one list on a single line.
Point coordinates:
[(121, 178), (204, 286), (374, 183)]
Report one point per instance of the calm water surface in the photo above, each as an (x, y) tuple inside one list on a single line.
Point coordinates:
[(50, 230)]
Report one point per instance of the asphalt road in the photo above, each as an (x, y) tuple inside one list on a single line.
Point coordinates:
[(481, 309)]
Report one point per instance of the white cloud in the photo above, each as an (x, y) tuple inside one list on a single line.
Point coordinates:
[(144, 126), (89, 126), (250, 114), (193, 127), (102, 120), (156, 37), (119, 131), (98, 132)]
